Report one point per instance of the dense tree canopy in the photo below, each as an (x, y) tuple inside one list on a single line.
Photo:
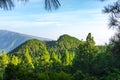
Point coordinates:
[(34, 60), (68, 58)]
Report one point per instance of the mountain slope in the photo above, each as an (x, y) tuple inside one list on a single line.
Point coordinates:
[(65, 42), (10, 40), (34, 46), (36, 49)]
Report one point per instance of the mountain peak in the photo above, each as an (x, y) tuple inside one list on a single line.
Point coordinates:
[(66, 37)]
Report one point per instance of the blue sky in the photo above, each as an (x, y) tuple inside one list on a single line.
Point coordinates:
[(76, 18)]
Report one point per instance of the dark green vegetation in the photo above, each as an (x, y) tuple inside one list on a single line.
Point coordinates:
[(65, 59)]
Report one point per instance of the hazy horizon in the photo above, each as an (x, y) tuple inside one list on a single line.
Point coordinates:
[(75, 18)]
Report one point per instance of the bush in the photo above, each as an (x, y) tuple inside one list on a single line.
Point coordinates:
[(79, 75)]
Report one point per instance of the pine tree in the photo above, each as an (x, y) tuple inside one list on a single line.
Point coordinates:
[(14, 60), (54, 58), (44, 57), (113, 10), (28, 59), (66, 58), (71, 56), (85, 54), (4, 59)]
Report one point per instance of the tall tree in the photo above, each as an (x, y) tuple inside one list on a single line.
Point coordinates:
[(114, 12), (90, 44), (85, 54), (44, 56), (27, 60), (66, 58), (54, 58), (14, 60), (55, 62), (4, 59)]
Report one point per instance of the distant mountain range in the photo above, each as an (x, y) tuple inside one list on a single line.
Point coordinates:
[(10, 40)]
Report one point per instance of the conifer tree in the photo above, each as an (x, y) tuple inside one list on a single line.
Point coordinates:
[(44, 56), (66, 58), (85, 54), (14, 60), (4, 59), (28, 59), (114, 22), (54, 58)]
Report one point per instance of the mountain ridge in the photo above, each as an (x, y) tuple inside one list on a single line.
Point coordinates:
[(65, 42), (10, 40)]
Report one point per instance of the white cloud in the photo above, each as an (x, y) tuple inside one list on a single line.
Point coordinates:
[(76, 23)]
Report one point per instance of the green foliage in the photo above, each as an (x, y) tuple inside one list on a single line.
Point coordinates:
[(65, 42), (19, 72), (44, 57), (90, 45), (63, 76), (102, 62), (11, 72), (33, 49), (64, 59), (27, 60), (14, 60), (112, 75), (102, 48), (34, 46), (43, 76), (86, 54), (114, 22), (4, 59), (79, 76), (54, 58)]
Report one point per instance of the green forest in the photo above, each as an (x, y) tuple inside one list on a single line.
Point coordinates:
[(68, 58)]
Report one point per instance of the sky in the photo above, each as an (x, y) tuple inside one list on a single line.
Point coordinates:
[(76, 18)]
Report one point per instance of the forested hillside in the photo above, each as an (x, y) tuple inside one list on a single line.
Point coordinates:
[(65, 42), (68, 58)]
